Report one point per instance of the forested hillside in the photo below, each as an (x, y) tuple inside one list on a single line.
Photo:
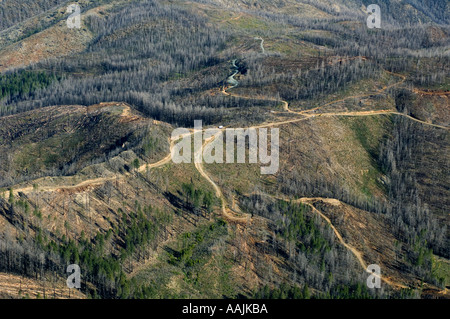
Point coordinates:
[(86, 175), (141, 44), (13, 12)]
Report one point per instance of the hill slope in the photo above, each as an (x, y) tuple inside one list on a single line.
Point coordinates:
[(87, 178)]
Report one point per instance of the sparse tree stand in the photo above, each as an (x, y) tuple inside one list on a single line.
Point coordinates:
[(11, 196), (306, 294), (135, 165)]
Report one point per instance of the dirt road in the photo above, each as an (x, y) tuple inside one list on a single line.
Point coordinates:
[(247, 218)]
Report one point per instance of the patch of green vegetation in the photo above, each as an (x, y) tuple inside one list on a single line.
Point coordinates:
[(368, 179), (299, 227), (53, 151), (252, 23), (352, 291), (22, 82), (444, 86), (361, 131), (193, 266), (104, 268), (241, 177), (441, 270), (198, 198), (192, 244), (209, 274), (283, 292), (370, 132)]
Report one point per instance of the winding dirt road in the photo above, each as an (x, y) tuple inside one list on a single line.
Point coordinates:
[(200, 168), (263, 50), (353, 250), (247, 218), (305, 115)]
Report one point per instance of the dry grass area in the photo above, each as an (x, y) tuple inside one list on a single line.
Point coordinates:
[(19, 50), (17, 287), (431, 106), (328, 148), (53, 42)]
